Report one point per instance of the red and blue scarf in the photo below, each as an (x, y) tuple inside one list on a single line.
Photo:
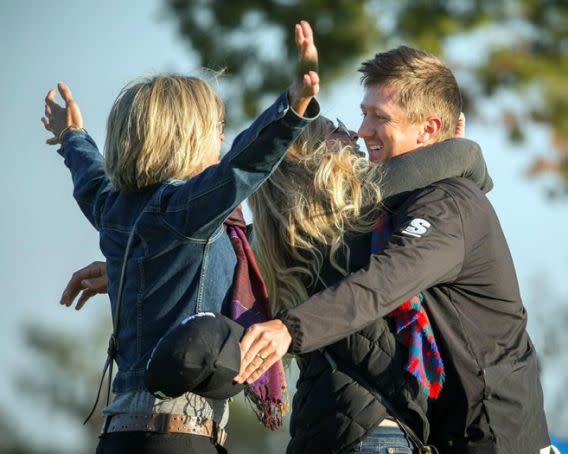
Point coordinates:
[(413, 329)]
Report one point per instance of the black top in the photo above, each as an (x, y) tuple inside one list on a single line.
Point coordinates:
[(332, 411), (448, 244)]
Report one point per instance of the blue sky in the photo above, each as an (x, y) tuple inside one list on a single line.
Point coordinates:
[(96, 47)]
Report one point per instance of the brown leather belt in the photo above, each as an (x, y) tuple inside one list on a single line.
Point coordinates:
[(165, 423)]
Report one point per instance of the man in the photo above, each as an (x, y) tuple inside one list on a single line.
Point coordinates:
[(446, 243)]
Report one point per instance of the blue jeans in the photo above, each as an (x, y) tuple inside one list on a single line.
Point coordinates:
[(384, 440)]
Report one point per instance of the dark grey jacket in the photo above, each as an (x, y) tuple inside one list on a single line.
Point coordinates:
[(332, 411), (447, 239)]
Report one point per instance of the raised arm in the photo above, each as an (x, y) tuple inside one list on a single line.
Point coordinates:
[(91, 186), (197, 207)]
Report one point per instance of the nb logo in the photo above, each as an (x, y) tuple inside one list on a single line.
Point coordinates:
[(417, 228)]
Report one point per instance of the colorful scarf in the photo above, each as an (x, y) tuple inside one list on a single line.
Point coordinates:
[(413, 329), (250, 305)]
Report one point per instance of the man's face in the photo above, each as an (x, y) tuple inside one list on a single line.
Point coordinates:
[(385, 129)]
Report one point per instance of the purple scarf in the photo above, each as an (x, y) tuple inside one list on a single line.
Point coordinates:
[(250, 305), (413, 329)]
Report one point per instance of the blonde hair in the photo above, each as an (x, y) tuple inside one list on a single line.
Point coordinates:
[(319, 192), (159, 128), (424, 85)]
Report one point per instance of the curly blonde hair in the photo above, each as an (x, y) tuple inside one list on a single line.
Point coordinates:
[(319, 192), (159, 128)]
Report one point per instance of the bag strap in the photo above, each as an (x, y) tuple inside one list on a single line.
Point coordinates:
[(113, 340), (355, 375)]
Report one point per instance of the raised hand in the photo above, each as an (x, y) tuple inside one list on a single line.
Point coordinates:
[(58, 119), (307, 50), (307, 85), (88, 281)]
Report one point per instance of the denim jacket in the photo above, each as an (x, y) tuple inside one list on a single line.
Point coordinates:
[(181, 260)]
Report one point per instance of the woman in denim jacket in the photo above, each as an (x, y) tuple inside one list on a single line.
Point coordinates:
[(162, 191)]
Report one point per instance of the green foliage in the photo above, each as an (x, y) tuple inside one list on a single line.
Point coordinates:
[(253, 40), (71, 365)]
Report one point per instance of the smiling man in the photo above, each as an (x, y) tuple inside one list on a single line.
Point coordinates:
[(411, 100), (446, 243)]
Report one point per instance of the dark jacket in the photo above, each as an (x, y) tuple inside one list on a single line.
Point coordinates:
[(447, 240), (331, 411)]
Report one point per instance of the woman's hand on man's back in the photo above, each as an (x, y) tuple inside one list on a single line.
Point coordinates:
[(87, 281)]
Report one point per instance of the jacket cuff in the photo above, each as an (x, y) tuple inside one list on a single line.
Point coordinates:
[(70, 136), (293, 325), (312, 111)]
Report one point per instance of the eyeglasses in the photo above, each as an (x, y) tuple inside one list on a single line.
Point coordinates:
[(352, 136), (341, 128)]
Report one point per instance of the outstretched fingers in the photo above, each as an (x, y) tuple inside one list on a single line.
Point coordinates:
[(85, 296), (65, 93), (307, 51), (298, 35), (311, 84), (91, 279), (306, 30)]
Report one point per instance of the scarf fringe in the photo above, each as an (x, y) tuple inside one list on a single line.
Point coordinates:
[(269, 412)]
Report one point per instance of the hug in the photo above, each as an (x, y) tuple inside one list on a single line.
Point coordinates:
[(388, 280)]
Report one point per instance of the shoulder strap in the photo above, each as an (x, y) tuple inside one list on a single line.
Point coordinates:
[(113, 341), (355, 375)]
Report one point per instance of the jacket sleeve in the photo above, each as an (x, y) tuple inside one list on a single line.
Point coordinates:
[(91, 186), (197, 207), (452, 158), (425, 249)]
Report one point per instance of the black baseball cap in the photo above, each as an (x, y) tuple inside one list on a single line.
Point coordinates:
[(201, 355)]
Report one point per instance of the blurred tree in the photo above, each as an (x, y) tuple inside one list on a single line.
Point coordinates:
[(11, 442), (518, 46), (72, 364), (524, 50), (547, 309)]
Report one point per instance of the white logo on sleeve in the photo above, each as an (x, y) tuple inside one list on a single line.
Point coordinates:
[(417, 228)]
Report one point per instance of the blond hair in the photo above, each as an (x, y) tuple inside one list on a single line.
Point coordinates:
[(319, 192), (159, 128), (424, 85)]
